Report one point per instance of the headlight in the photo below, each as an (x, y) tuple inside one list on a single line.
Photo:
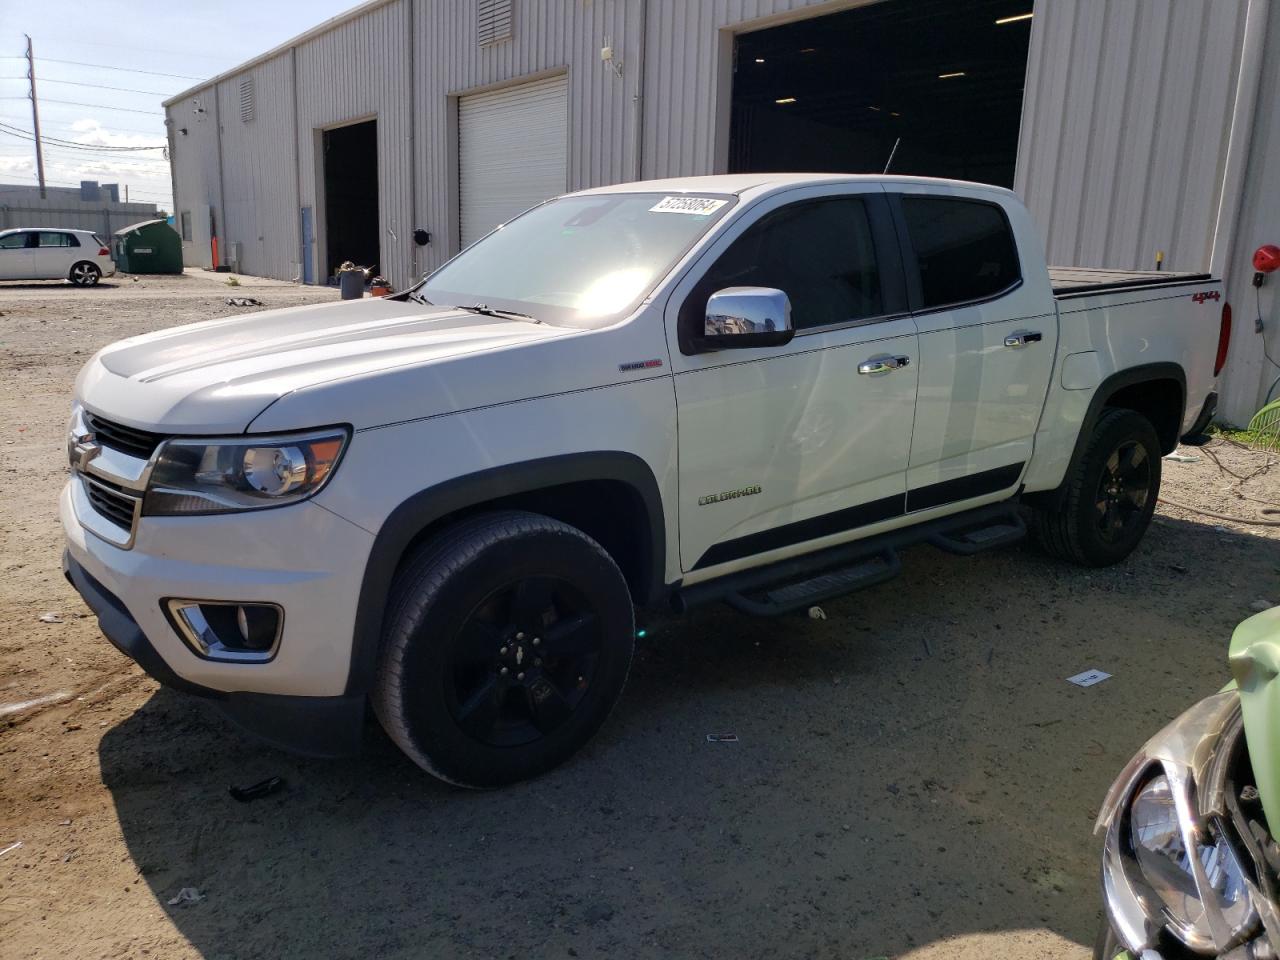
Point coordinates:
[(1160, 847), (200, 476)]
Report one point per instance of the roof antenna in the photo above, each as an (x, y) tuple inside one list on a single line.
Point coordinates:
[(892, 154)]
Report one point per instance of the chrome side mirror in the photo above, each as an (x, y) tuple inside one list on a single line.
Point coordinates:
[(746, 317)]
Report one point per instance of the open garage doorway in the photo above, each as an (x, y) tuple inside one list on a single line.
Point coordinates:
[(942, 78), (351, 195)]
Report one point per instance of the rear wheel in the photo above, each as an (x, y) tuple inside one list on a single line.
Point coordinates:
[(1111, 493), (85, 274), (507, 642)]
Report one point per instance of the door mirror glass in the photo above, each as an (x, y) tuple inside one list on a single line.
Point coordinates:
[(746, 317)]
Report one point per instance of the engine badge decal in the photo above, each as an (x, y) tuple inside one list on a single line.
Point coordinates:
[(1206, 295), (640, 365), (729, 495)]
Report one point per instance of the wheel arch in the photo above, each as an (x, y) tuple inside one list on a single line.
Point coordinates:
[(580, 489), (1158, 391)]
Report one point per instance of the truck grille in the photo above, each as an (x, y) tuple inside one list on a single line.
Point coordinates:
[(130, 440), (111, 501)]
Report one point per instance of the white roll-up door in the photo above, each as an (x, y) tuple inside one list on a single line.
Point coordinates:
[(512, 152)]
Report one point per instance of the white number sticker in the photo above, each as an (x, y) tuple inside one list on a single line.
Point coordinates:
[(698, 206)]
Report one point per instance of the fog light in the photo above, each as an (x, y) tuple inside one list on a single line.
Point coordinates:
[(233, 632)]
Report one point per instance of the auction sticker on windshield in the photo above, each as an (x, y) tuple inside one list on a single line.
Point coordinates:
[(699, 206)]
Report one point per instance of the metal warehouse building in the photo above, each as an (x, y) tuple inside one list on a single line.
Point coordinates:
[(1137, 131)]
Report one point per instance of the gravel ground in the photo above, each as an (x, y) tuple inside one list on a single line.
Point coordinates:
[(913, 777)]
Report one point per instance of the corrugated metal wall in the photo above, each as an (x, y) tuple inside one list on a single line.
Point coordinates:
[(261, 206), (1123, 150), (1252, 365), (193, 132), (360, 71), (1124, 128)]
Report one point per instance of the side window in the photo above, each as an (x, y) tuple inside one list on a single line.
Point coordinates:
[(819, 253), (58, 240), (965, 249), (186, 224), (14, 241)]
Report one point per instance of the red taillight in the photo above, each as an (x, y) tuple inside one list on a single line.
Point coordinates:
[(104, 252), (1224, 340)]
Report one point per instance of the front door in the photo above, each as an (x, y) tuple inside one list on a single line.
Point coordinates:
[(782, 447), (17, 259), (986, 349)]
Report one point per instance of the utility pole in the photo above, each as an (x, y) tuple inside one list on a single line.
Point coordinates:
[(35, 115)]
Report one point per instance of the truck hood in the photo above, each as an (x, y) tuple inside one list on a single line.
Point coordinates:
[(217, 376), (1255, 665)]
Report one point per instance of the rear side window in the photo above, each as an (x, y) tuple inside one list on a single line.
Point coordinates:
[(58, 240), (964, 248), (820, 253)]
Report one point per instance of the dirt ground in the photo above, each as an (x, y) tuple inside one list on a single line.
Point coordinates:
[(913, 776)]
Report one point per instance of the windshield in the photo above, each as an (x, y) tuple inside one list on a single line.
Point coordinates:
[(577, 259)]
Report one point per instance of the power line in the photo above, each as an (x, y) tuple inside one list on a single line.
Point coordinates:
[(114, 128), (97, 106), (107, 66), (76, 144), (149, 50), (95, 86)]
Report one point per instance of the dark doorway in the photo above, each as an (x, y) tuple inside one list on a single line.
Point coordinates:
[(351, 195), (833, 94)]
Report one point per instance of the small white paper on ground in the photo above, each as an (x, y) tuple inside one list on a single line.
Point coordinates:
[(1088, 678)]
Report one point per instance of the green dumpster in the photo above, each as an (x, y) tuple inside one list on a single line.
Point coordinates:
[(148, 247)]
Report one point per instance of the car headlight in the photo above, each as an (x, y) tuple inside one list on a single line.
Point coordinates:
[(1172, 861), (1165, 861), (203, 476)]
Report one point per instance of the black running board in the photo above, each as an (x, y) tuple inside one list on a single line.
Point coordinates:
[(800, 582)]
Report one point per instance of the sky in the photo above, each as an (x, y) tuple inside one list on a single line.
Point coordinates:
[(103, 69)]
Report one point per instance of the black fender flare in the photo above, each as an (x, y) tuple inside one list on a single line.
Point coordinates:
[(1130, 376), (407, 521)]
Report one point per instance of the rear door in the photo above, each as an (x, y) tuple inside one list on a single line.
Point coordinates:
[(784, 446), (55, 254), (17, 258), (988, 335)]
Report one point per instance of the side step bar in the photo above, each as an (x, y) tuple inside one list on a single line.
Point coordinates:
[(800, 582)]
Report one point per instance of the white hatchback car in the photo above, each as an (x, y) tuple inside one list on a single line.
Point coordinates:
[(53, 253)]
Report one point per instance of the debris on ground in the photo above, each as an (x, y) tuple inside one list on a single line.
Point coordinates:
[(244, 302), (817, 613), (1088, 678), (51, 617), (722, 738), (263, 788), (12, 846), (1178, 457), (1261, 605), (186, 895)]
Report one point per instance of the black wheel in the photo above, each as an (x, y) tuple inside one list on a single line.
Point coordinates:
[(85, 274), (507, 642), (1111, 494)]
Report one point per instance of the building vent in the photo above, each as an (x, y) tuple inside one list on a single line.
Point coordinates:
[(247, 101), (493, 21)]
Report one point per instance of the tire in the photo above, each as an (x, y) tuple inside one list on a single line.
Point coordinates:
[(85, 274), (1111, 494), (462, 688)]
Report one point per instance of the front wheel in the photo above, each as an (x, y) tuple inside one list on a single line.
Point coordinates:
[(1111, 493), (85, 274), (507, 642)]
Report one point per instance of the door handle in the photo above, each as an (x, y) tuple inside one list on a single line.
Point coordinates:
[(880, 365), (1019, 340)]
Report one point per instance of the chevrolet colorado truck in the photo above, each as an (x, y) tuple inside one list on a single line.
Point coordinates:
[(447, 504)]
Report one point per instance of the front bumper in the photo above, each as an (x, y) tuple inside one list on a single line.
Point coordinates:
[(304, 558), (314, 726)]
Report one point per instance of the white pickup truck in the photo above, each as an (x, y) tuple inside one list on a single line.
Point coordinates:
[(754, 388)]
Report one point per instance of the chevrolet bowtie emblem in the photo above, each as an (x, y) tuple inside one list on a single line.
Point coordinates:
[(83, 450)]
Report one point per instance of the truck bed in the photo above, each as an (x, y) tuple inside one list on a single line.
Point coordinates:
[(1081, 281)]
